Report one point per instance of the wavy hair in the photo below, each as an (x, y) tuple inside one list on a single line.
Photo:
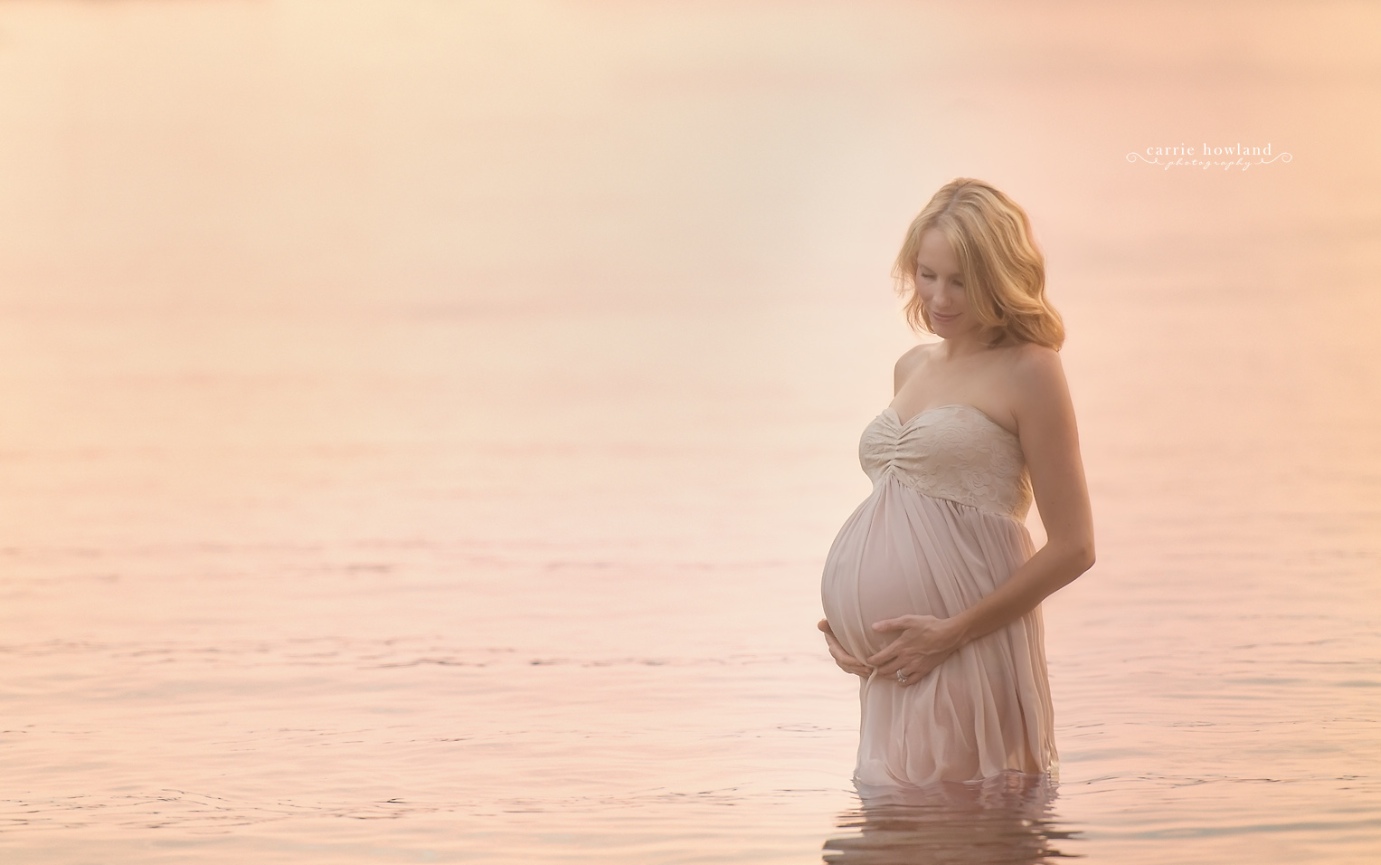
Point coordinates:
[(1003, 269)]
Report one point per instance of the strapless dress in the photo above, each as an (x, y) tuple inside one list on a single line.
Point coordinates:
[(943, 527)]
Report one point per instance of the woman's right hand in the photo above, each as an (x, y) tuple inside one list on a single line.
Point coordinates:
[(848, 663)]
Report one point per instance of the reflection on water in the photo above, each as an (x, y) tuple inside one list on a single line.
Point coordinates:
[(1008, 819)]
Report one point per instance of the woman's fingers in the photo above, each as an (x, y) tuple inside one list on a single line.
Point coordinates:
[(850, 663), (847, 662), (833, 641), (890, 669), (913, 673), (890, 624), (886, 654), (912, 661)]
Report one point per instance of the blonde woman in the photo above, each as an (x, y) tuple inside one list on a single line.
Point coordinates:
[(932, 587)]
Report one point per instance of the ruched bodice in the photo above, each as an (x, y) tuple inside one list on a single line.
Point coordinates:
[(942, 529), (953, 452)]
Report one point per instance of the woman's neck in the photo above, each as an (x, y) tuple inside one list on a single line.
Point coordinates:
[(965, 345)]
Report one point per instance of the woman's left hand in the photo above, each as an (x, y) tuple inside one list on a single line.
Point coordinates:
[(923, 644)]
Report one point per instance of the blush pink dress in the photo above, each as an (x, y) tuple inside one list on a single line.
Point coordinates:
[(943, 527)]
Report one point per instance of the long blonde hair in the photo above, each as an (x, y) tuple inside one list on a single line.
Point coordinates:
[(1003, 269)]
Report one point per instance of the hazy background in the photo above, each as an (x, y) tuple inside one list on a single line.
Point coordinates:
[(422, 424)]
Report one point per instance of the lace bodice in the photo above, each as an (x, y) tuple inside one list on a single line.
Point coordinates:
[(953, 452)]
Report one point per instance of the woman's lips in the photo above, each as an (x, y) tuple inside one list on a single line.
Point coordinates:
[(938, 316)]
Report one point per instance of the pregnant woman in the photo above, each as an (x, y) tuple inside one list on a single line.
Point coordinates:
[(932, 587)]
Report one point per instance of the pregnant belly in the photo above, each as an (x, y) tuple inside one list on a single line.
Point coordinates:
[(877, 568)]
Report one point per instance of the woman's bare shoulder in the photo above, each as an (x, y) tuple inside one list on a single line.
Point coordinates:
[(1028, 358), (915, 354), (1038, 374), (907, 363)]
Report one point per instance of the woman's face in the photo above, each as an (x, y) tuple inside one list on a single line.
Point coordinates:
[(941, 287)]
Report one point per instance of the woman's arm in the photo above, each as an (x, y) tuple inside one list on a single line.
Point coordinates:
[(1050, 444)]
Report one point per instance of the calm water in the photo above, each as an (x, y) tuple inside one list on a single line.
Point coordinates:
[(422, 425)]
